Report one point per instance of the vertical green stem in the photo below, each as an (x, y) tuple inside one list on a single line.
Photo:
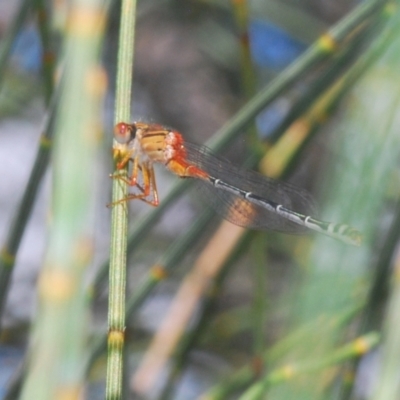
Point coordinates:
[(119, 218), (260, 294), (48, 58), (57, 346), (241, 13), (10, 248)]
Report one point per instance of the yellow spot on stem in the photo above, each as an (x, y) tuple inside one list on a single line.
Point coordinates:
[(327, 43), (69, 393), (158, 272), (85, 21), (96, 81), (361, 346), (6, 257), (288, 371), (390, 8), (116, 338), (56, 286), (49, 57), (45, 142)]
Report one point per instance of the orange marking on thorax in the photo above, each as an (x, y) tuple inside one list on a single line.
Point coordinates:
[(179, 164)]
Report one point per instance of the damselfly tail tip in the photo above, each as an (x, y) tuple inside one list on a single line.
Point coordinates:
[(354, 237)]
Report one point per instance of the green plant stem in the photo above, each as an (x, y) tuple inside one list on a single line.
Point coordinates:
[(143, 226), (353, 349), (259, 308), (388, 385), (57, 344), (244, 376), (158, 272), (119, 216), (241, 14), (48, 58), (10, 248)]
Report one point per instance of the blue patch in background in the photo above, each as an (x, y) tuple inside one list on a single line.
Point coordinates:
[(27, 50), (271, 46)]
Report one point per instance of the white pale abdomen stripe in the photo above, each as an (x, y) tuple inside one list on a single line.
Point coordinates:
[(342, 232)]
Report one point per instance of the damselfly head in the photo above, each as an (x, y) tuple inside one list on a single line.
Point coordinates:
[(124, 133)]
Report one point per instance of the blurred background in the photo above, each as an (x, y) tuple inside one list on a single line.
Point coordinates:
[(282, 310)]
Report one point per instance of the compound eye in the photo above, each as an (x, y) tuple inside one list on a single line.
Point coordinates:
[(124, 133)]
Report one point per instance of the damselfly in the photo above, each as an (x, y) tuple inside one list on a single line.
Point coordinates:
[(243, 197)]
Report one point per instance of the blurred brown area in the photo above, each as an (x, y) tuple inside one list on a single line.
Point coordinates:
[(191, 93)]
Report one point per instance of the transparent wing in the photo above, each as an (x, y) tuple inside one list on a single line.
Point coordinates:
[(238, 210)]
